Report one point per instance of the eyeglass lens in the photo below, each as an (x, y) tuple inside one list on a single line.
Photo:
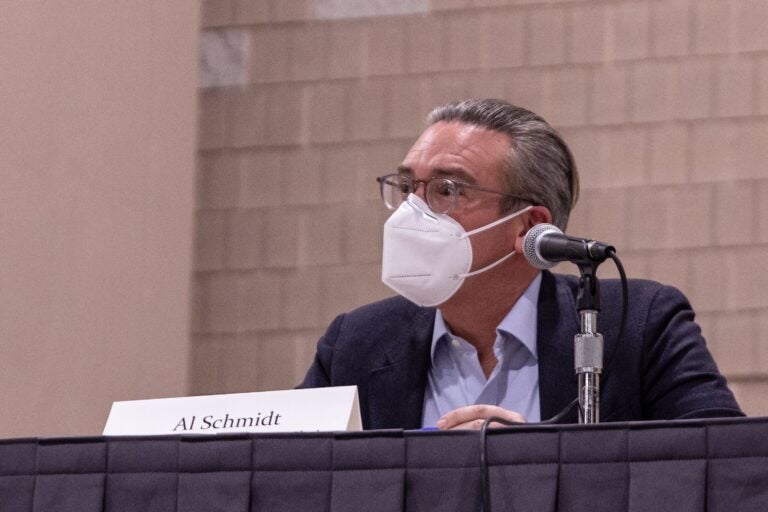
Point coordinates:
[(440, 193)]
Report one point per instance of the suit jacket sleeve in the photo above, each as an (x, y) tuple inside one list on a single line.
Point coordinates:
[(319, 374), (680, 378)]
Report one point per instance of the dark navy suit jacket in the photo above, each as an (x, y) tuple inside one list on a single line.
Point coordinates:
[(660, 369)]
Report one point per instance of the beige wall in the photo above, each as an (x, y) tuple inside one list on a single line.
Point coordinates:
[(97, 136), (302, 104), (665, 104)]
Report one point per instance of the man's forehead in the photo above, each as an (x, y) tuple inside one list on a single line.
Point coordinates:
[(453, 149), (460, 134)]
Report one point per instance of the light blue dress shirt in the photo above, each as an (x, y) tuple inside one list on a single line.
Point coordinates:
[(456, 378)]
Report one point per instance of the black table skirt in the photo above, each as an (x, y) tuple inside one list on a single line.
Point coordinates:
[(714, 465)]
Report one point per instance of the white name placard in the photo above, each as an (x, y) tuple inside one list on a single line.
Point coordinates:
[(295, 410)]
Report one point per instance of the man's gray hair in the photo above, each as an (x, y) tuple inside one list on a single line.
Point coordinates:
[(540, 166)]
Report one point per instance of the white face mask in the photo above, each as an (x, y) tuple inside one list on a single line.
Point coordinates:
[(428, 255)]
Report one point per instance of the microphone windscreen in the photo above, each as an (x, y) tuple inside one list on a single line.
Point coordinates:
[(530, 242)]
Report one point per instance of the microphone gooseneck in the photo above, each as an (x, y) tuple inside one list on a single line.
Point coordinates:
[(544, 246)]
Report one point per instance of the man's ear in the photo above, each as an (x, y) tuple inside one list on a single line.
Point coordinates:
[(536, 215)]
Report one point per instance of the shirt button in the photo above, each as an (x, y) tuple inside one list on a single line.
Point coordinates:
[(456, 343)]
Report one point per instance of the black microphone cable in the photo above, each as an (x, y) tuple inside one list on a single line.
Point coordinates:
[(484, 475)]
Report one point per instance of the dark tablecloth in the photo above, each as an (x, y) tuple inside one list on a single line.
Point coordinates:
[(713, 465)]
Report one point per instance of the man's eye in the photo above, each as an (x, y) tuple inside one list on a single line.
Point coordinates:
[(444, 188), (458, 190)]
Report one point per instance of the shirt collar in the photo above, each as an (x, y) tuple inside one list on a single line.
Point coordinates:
[(520, 321)]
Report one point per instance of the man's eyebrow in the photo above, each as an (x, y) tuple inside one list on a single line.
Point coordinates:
[(455, 173)]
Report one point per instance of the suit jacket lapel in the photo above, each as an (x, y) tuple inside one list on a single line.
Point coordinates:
[(397, 387), (557, 324)]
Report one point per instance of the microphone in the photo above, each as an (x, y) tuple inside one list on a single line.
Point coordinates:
[(545, 245)]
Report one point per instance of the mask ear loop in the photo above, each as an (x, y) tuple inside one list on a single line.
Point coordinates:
[(489, 226), (488, 267), (497, 222)]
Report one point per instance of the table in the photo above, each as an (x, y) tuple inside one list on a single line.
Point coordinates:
[(698, 465)]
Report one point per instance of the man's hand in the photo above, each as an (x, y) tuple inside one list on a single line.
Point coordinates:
[(473, 416)]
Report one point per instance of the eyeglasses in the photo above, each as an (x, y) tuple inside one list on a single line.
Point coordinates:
[(441, 194)]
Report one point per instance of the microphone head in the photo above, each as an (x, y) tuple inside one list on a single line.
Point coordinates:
[(531, 245)]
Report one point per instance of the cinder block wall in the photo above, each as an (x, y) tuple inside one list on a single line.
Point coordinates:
[(303, 103)]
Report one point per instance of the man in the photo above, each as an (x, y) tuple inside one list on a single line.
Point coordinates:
[(478, 331)]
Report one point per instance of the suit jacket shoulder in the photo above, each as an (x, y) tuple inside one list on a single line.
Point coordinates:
[(660, 367), (383, 349)]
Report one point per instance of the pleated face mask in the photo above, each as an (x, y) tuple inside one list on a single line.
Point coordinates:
[(428, 255)]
